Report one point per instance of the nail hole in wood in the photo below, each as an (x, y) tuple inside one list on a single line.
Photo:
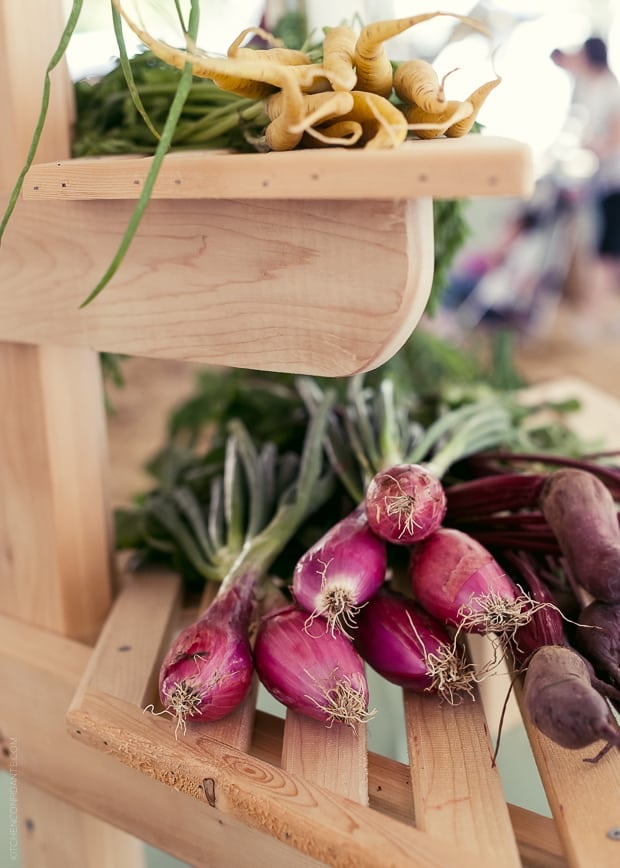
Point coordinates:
[(208, 786)]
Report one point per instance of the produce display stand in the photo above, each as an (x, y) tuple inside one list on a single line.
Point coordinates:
[(316, 262)]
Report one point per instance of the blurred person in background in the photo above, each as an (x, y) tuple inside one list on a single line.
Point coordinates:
[(597, 95)]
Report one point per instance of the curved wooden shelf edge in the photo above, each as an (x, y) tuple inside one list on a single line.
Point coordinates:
[(328, 288)]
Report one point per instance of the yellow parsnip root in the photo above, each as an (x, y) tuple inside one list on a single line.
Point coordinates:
[(374, 70), (343, 133), (415, 81), (430, 125), (283, 133), (278, 52), (338, 54), (477, 99), (253, 80), (319, 107), (383, 125)]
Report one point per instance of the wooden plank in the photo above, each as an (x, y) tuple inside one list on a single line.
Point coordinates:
[(457, 793), (54, 525), (35, 663), (537, 838), (125, 661), (326, 288), (584, 797), (336, 758), (316, 821), (39, 673), (24, 54), (55, 545), (475, 165), (52, 832)]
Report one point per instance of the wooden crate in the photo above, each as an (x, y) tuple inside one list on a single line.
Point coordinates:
[(263, 261)]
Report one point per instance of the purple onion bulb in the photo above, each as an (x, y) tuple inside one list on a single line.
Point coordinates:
[(405, 503), (208, 669), (410, 648), (340, 572), (319, 674)]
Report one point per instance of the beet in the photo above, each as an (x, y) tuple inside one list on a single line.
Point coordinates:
[(562, 703), (581, 511), (598, 638)]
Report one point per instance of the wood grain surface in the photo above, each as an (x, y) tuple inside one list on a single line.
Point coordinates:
[(475, 165), (323, 287)]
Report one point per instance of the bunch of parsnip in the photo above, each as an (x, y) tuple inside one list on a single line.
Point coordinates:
[(352, 96)]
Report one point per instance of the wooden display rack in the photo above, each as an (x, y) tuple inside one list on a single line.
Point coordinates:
[(266, 261)]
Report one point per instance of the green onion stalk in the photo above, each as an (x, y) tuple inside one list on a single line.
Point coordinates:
[(388, 461), (253, 511)]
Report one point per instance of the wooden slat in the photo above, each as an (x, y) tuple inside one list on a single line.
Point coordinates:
[(441, 168), (537, 838), (39, 673), (325, 288), (457, 793), (584, 798), (130, 647), (336, 759), (54, 523), (321, 824), (52, 832), (55, 545), (36, 663)]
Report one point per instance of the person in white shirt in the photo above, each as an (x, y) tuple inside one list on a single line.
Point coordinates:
[(597, 93)]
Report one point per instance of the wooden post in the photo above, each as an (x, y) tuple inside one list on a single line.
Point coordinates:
[(55, 552)]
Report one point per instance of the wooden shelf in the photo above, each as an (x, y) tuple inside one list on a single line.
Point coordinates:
[(317, 262), (340, 809), (475, 165)]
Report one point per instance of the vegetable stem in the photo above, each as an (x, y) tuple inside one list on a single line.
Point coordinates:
[(57, 56), (163, 146)]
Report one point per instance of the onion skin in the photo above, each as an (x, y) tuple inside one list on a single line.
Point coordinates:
[(386, 639), (581, 511), (301, 668), (211, 659), (562, 703), (598, 638), (405, 503), (342, 569), (450, 571)]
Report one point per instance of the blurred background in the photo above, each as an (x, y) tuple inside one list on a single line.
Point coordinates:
[(526, 268)]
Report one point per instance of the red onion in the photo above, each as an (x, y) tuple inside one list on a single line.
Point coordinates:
[(208, 668), (341, 571), (409, 647), (318, 674), (459, 581), (405, 503)]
